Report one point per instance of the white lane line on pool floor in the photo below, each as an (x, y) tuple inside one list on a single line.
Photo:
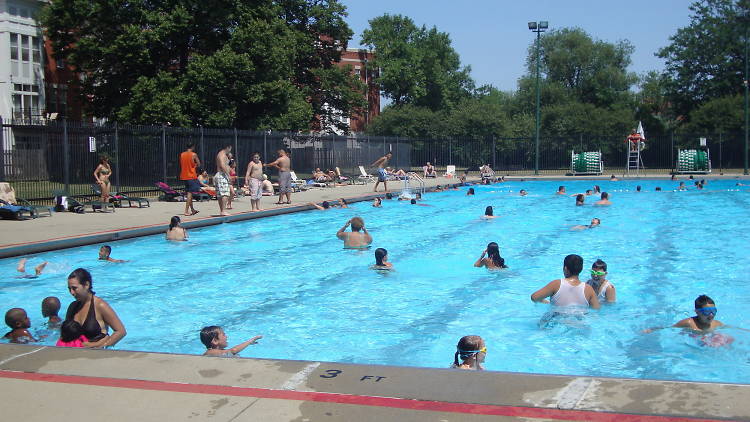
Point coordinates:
[(295, 380), (571, 395), (22, 354)]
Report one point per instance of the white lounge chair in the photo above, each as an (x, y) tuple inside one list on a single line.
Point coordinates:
[(298, 184), (348, 179), (450, 171), (367, 178)]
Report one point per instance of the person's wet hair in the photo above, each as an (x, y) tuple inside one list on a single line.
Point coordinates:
[(597, 189), (488, 211), (599, 265), (325, 205), (50, 306), (388, 195), (493, 252), (14, 316), (605, 195), (574, 264), (467, 347), (70, 330), (413, 201), (702, 301), (560, 188), (357, 224), (199, 170), (343, 201), (190, 145), (589, 192), (638, 188), (580, 198), (470, 191), (658, 189), (209, 334), (174, 222), (380, 253), (83, 277)]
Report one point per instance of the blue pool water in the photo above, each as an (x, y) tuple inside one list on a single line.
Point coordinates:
[(288, 278)]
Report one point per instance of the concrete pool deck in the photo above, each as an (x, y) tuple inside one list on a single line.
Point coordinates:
[(40, 383)]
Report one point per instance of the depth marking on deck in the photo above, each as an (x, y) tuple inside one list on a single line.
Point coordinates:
[(295, 380), (21, 354), (322, 397)]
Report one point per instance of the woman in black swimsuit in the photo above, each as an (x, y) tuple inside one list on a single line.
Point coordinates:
[(93, 313)]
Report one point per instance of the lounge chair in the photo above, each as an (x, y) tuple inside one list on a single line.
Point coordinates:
[(119, 198), (298, 184), (13, 212), (367, 178), (450, 171), (348, 179), (14, 207)]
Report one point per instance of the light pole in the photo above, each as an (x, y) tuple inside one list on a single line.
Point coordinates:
[(537, 27), (746, 81)]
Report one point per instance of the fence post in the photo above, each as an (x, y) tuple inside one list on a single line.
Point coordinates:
[(721, 169), (164, 153), (450, 153), (494, 165), (2, 150), (236, 153), (265, 148), (203, 152), (671, 154), (117, 160), (333, 149), (66, 157)]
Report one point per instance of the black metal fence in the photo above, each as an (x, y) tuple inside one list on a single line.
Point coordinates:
[(37, 159)]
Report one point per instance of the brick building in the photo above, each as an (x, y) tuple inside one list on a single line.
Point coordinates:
[(359, 60)]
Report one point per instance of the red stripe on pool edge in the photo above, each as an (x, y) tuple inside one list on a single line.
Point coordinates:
[(391, 402)]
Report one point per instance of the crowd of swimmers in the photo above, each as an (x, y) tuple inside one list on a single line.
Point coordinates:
[(89, 319)]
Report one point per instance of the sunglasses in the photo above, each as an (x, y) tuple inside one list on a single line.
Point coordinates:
[(598, 273), (710, 310)]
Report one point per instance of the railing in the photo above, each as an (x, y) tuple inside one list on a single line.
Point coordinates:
[(412, 175)]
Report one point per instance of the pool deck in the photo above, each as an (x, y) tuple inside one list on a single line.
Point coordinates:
[(40, 383)]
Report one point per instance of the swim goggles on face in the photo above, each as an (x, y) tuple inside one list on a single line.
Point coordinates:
[(472, 352), (598, 273), (710, 310)]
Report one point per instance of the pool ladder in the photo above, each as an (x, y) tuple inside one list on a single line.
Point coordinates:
[(407, 182)]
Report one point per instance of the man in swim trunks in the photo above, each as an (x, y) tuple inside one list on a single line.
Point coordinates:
[(570, 290), (221, 179), (604, 200), (380, 163), (355, 239), (283, 164), (189, 162), (254, 181), (634, 139)]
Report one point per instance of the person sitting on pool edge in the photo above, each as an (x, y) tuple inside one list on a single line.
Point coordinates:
[(594, 223), (215, 340), (381, 260), (604, 200), (605, 291), (471, 351), (355, 239), (570, 290), (493, 261), (104, 252)]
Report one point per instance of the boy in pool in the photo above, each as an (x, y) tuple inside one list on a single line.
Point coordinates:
[(19, 323), (215, 340), (703, 321), (104, 252), (50, 308)]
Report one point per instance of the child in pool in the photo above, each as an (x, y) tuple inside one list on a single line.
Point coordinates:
[(215, 340), (471, 351), (50, 308), (19, 323), (381, 260), (71, 335)]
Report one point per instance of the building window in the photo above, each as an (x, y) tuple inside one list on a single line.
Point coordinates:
[(25, 101), (24, 50), (57, 98), (12, 10)]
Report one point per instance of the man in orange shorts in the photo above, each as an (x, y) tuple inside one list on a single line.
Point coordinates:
[(634, 139)]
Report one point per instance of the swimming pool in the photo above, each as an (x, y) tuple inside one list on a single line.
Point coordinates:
[(288, 278)]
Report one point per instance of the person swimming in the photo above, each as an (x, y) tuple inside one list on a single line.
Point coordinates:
[(470, 192), (493, 261), (21, 268), (355, 239), (470, 353), (381, 260), (488, 213)]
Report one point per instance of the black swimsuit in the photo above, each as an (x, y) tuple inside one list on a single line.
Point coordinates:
[(91, 328)]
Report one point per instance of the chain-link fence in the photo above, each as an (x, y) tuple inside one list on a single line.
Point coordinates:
[(38, 159)]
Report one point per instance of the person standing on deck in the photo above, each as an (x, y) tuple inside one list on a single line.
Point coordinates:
[(284, 165), (221, 179), (380, 163), (254, 181), (189, 162)]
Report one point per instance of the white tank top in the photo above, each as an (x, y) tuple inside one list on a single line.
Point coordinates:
[(569, 295)]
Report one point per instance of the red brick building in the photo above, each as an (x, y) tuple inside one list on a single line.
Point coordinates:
[(361, 60)]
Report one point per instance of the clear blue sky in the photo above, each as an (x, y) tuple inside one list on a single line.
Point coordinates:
[(492, 35)]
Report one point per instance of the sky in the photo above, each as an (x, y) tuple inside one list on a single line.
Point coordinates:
[(492, 36)]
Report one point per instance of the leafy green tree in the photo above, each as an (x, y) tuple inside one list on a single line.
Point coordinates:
[(705, 60), (261, 64), (417, 65)]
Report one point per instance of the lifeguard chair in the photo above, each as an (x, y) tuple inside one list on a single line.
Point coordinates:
[(586, 163), (696, 161)]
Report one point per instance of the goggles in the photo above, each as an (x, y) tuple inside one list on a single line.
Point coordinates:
[(710, 310), (598, 273), (466, 353)]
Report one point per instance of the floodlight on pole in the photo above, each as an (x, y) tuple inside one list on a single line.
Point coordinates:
[(537, 27)]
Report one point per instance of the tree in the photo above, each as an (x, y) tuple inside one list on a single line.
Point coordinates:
[(417, 65), (705, 60), (264, 64)]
